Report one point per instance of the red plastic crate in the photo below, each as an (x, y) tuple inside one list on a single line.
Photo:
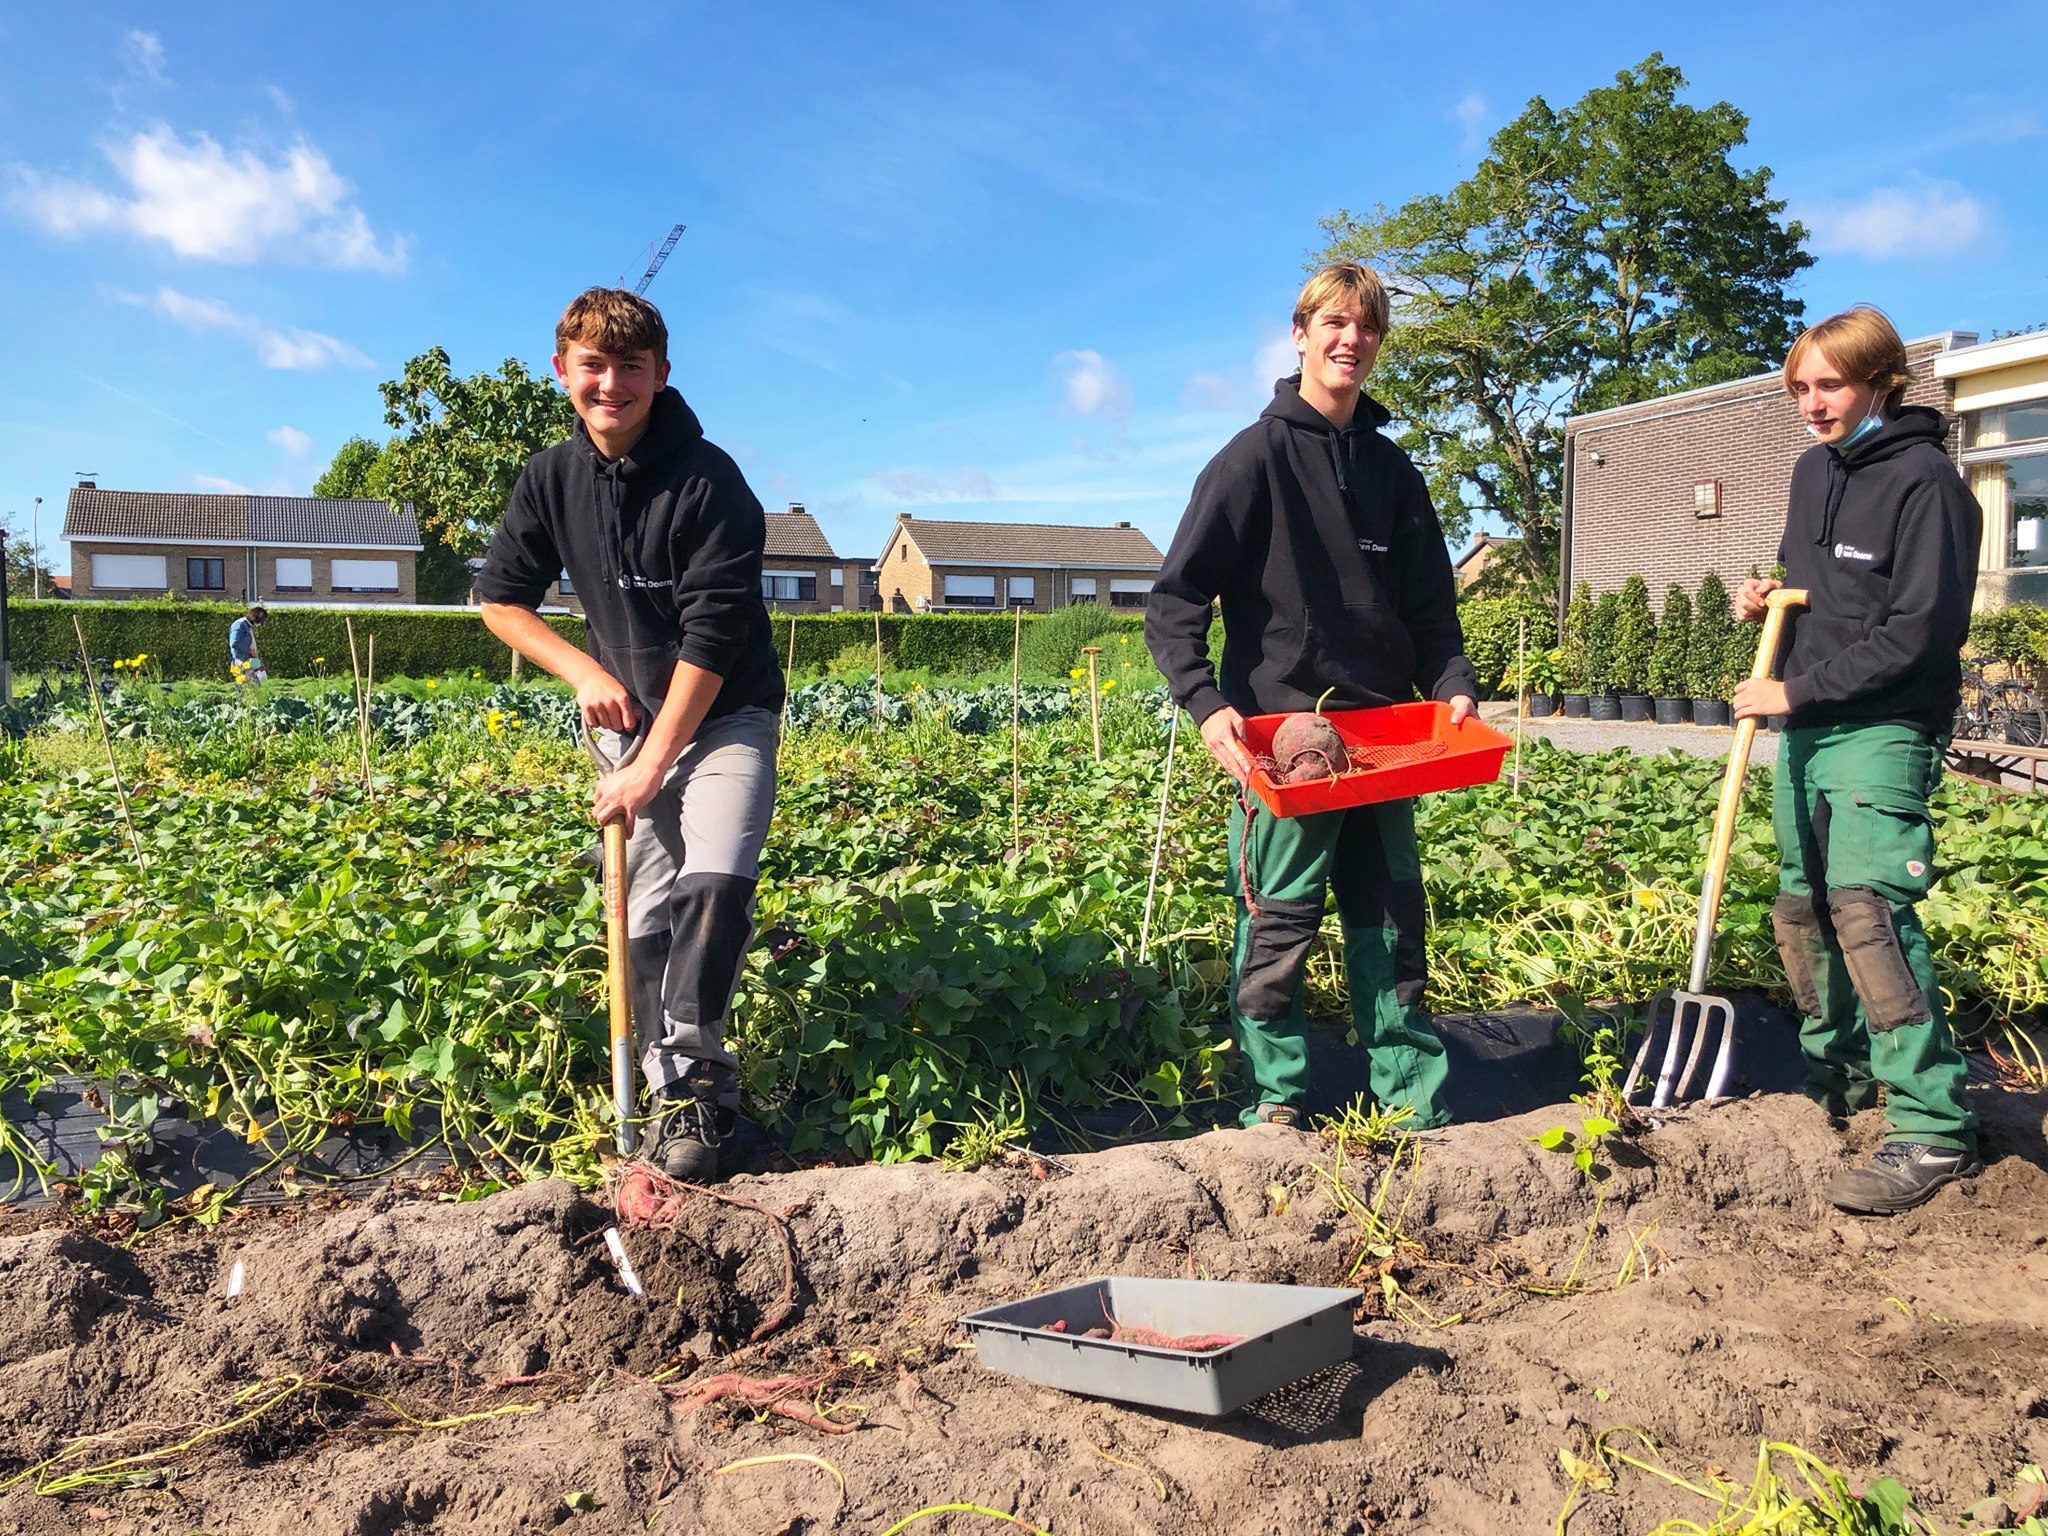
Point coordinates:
[(1396, 751)]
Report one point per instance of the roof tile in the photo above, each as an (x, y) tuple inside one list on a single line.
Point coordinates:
[(943, 541)]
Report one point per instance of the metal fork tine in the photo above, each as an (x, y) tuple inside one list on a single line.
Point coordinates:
[(1635, 1071), (1668, 1072), (1706, 1020), (1724, 1060)]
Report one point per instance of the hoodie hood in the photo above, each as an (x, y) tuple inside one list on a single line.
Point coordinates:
[(1288, 406), (1911, 427), (672, 429)]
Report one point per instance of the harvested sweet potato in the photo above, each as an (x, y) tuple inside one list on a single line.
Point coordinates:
[(1307, 746)]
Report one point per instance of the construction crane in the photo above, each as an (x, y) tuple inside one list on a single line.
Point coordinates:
[(660, 256)]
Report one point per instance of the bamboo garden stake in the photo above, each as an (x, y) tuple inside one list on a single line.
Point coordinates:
[(92, 689), (1016, 727), (878, 669), (1521, 698), (788, 671), (1094, 698)]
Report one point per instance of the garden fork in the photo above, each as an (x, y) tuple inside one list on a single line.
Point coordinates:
[(1696, 1015), (618, 936)]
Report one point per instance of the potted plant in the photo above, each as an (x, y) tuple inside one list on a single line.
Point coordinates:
[(1635, 637), (1706, 664), (1539, 682), (1602, 702), (1669, 690), (1578, 623)]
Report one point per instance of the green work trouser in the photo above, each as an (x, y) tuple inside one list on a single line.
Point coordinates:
[(1855, 852), (1366, 855)]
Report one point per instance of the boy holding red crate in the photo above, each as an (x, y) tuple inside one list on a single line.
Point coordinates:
[(1317, 535)]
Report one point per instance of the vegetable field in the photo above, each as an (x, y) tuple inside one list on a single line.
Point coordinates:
[(947, 952)]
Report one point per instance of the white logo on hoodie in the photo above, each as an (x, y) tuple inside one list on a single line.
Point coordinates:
[(1851, 552)]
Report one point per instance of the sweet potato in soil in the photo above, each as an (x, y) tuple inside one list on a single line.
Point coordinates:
[(1915, 1348)]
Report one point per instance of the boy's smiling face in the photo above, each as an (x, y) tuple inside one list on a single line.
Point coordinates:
[(611, 392)]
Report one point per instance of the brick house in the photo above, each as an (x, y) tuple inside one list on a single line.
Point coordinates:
[(800, 573), (240, 548), (936, 565), (1471, 565), (2000, 392), (1671, 488)]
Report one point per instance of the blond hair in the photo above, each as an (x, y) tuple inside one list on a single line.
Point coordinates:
[(614, 321), (1339, 281), (1863, 346)]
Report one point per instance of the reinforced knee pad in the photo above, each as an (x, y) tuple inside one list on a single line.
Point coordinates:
[(1408, 917), (1276, 955), (1892, 997), (712, 922), (1803, 946)]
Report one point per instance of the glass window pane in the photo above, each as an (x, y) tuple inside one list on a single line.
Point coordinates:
[(2027, 491), (2027, 420)]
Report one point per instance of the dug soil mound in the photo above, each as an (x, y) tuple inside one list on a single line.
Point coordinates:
[(411, 1365)]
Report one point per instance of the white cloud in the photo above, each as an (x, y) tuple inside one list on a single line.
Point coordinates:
[(290, 439), (915, 485), (290, 348), (1093, 387), (143, 52), (220, 487), (1276, 360), (1245, 388), (1470, 116), (210, 205), (1927, 218)]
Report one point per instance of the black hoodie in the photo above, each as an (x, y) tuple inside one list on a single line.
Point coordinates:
[(663, 547), (1331, 566), (1883, 536)]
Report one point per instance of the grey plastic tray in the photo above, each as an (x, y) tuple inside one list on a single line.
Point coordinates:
[(1289, 1331)]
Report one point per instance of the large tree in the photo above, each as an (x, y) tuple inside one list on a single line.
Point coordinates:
[(22, 563), (463, 441), (362, 469), (1598, 255)]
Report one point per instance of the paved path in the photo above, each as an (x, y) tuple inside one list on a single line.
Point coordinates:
[(1645, 740)]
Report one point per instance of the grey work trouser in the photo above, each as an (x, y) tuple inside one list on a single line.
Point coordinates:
[(691, 867)]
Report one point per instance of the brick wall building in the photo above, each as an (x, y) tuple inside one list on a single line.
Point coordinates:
[(1669, 489), (800, 573), (937, 565), (240, 548)]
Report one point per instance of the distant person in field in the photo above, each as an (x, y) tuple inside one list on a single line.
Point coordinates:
[(1317, 534), (245, 662), (1882, 533), (662, 540)]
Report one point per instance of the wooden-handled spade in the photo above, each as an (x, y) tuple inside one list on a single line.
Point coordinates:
[(618, 968), (1695, 1014)]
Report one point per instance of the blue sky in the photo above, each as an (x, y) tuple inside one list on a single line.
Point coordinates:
[(987, 262)]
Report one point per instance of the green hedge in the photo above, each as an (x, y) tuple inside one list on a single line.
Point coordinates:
[(1492, 627), (190, 640)]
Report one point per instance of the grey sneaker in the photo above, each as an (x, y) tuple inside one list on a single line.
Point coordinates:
[(1278, 1114), (1899, 1176), (681, 1138)]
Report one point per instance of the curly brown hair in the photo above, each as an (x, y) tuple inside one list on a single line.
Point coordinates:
[(614, 321)]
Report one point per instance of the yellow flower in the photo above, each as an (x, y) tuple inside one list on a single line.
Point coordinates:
[(1648, 898), (1073, 671), (1109, 685), (319, 661), (494, 722), (1123, 639), (431, 683)]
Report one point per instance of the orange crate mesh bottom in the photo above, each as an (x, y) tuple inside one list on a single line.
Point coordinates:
[(1394, 754)]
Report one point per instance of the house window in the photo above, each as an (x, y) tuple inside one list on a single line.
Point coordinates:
[(565, 586), (1023, 591), (1082, 589), (132, 573), (294, 575), (365, 576), (789, 586), (1995, 427), (971, 591), (1128, 594), (203, 575), (2026, 500)]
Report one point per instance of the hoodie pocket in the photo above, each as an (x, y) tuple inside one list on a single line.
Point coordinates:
[(1360, 650)]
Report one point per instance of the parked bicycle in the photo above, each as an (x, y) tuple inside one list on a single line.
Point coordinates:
[(2008, 711)]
